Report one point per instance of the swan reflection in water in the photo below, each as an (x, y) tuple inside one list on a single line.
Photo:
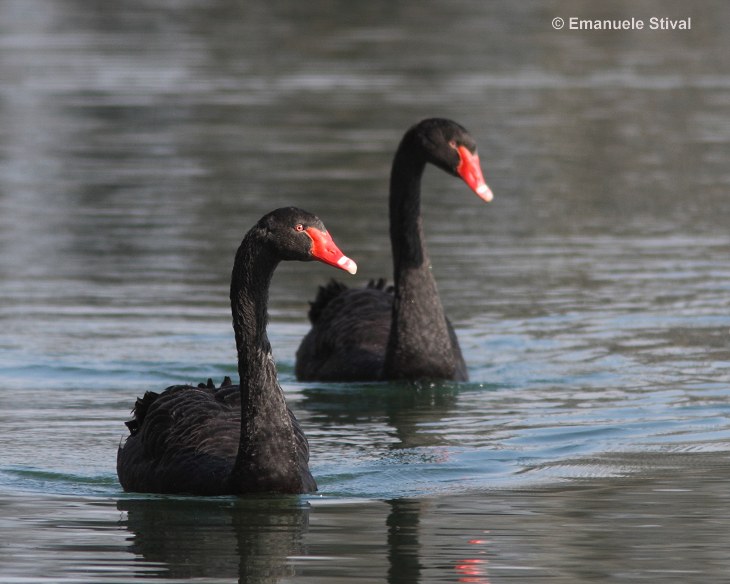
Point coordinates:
[(248, 539), (268, 539)]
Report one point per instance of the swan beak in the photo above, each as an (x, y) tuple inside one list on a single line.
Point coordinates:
[(325, 250), (470, 170)]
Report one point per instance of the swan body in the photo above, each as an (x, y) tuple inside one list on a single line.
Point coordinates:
[(234, 439), (381, 332)]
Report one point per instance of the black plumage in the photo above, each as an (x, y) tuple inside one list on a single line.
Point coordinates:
[(396, 332), (242, 438)]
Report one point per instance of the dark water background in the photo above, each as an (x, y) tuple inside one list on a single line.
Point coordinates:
[(139, 140)]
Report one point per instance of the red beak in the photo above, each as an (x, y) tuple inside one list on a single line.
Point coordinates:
[(470, 170), (325, 250)]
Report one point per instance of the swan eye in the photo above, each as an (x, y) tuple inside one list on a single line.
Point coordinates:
[(452, 143), (299, 227)]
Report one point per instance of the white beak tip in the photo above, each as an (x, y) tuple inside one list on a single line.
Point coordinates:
[(484, 192), (347, 264)]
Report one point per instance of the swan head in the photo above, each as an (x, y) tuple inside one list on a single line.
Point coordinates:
[(299, 235), (449, 146), (325, 250)]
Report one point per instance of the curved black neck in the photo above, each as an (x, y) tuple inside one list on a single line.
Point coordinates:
[(250, 281), (419, 344), (406, 224), (266, 428)]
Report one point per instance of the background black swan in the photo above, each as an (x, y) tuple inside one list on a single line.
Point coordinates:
[(378, 332), (233, 439)]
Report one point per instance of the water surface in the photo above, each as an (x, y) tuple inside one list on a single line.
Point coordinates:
[(140, 140)]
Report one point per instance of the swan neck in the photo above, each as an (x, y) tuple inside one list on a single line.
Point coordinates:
[(406, 223), (419, 342), (266, 452), (250, 281)]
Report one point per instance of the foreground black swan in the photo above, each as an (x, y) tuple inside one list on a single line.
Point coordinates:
[(234, 439), (378, 332)]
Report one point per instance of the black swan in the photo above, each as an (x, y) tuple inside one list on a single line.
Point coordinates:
[(379, 332), (233, 439)]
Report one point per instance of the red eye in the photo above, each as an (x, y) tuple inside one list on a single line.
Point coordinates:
[(299, 227), (452, 144)]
